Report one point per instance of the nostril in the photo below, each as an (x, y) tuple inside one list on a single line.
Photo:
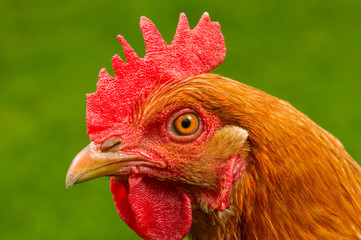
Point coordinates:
[(111, 144)]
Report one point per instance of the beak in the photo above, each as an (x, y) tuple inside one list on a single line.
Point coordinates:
[(96, 161)]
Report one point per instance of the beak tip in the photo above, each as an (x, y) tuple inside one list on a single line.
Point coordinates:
[(70, 181)]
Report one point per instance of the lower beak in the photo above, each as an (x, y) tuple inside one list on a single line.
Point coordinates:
[(92, 163)]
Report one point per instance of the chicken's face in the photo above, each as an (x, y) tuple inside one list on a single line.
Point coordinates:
[(171, 152)]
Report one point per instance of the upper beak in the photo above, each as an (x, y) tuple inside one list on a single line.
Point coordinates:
[(97, 161)]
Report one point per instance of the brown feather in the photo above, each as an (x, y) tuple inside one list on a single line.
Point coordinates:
[(299, 182)]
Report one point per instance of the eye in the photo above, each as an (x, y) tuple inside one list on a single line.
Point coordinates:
[(186, 124)]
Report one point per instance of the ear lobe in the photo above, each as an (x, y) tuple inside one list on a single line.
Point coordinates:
[(227, 142), (228, 145)]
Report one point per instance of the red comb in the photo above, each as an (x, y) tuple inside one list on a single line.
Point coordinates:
[(192, 52)]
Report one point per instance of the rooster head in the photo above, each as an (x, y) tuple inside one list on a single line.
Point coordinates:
[(155, 128)]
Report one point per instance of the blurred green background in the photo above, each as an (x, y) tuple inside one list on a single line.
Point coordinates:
[(306, 52)]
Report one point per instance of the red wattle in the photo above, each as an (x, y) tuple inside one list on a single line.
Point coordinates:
[(120, 197), (153, 209)]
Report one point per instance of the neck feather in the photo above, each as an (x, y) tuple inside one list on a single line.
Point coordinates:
[(299, 183)]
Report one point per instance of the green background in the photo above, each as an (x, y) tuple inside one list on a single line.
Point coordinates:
[(306, 52)]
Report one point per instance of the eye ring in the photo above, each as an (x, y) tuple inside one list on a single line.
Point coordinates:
[(179, 136)]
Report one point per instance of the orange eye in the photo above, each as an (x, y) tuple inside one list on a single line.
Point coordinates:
[(186, 124)]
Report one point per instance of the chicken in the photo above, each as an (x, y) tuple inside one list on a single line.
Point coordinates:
[(197, 154)]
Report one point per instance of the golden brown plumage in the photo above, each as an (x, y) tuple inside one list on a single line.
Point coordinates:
[(299, 182)]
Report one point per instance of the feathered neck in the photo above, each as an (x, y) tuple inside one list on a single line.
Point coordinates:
[(299, 183)]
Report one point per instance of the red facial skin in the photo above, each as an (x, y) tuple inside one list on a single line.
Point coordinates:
[(137, 196), (158, 145), (167, 156)]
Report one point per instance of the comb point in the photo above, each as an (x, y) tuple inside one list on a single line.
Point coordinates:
[(130, 54), (103, 78), (103, 73), (204, 21), (183, 23), (117, 63), (152, 38)]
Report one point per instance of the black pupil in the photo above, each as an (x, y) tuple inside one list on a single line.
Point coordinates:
[(186, 123)]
